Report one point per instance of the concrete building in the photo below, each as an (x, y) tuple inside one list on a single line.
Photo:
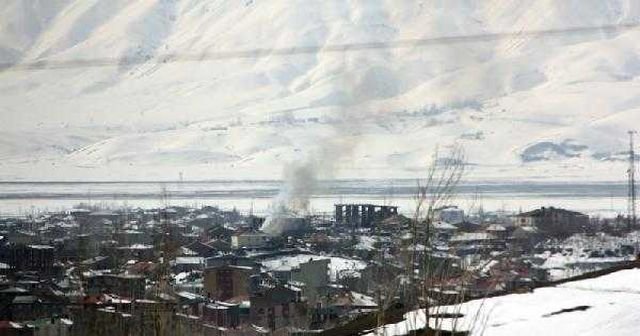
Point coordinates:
[(131, 237), (188, 264), (553, 221), (228, 281), (230, 259), (29, 257), (312, 277), (278, 307), (362, 215), (466, 243), (125, 285), (450, 214), (141, 252), (497, 230), (249, 240), (222, 314)]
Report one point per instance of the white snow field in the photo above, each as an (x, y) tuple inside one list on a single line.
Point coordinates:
[(117, 106), (608, 305)]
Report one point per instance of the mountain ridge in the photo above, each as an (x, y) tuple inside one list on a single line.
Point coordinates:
[(541, 107)]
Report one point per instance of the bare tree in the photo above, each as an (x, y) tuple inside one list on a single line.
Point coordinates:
[(411, 287)]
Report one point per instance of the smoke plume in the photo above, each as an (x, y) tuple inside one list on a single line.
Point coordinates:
[(353, 90), (301, 180)]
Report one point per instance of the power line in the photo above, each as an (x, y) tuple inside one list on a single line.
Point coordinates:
[(303, 50)]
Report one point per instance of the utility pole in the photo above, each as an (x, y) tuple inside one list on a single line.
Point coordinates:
[(632, 182)]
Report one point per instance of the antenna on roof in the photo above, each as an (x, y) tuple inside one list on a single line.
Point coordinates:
[(632, 182)]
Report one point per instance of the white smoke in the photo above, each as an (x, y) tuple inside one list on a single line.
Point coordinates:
[(301, 178), (301, 181)]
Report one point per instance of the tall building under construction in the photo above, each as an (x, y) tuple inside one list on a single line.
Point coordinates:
[(362, 215)]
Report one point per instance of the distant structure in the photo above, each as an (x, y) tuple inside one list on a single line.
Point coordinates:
[(228, 281), (249, 240), (363, 215), (632, 182), (450, 214), (553, 221), (284, 224)]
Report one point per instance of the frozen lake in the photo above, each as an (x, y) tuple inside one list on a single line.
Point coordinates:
[(26, 197)]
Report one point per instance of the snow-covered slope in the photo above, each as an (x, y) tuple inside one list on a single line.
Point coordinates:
[(607, 305), (523, 106)]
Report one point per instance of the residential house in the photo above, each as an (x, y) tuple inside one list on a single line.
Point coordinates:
[(553, 221), (228, 281), (278, 307)]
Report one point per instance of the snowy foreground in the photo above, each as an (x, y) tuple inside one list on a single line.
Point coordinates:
[(608, 305)]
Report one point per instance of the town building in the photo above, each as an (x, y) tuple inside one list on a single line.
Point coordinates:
[(278, 307), (39, 258), (312, 277), (227, 282), (362, 215), (125, 285), (249, 240), (222, 314), (553, 221), (450, 214)]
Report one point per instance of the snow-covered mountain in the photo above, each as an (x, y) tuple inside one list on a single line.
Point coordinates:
[(523, 106)]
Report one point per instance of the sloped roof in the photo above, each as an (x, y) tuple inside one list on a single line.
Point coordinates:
[(442, 225), (541, 211), (471, 236), (496, 227)]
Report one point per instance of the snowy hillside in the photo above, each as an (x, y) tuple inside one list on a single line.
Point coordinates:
[(524, 106), (606, 305)]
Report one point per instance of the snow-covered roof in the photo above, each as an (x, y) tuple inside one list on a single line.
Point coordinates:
[(417, 247), (365, 243), (471, 236), (189, 260), (338, 265), (41, 247), (496, 228), (363, 300), (444, 226), (190, 296), (136, 247)]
